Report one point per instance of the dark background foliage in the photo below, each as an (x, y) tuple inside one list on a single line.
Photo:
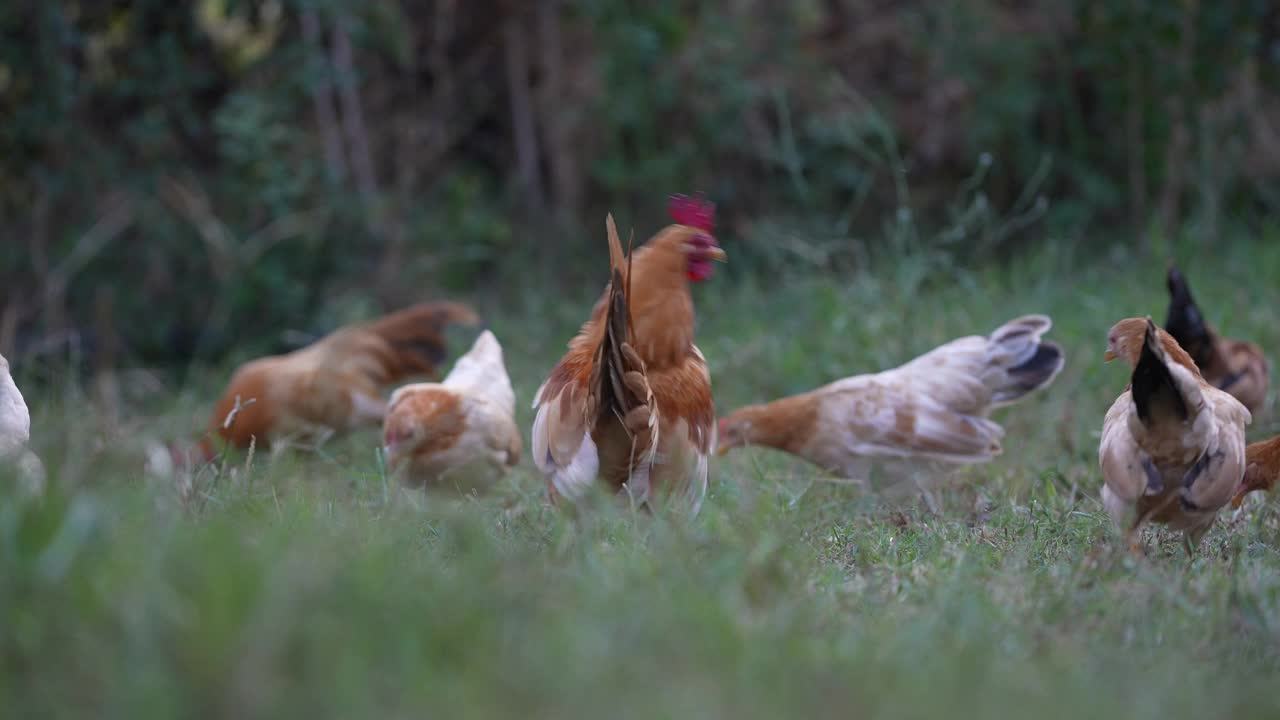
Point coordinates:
[(178, 179)]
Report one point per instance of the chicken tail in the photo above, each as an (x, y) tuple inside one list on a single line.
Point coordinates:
[(1185, 322), (619, 378), (1155, 391), (1019, 361), (481, 371), (416, 337)]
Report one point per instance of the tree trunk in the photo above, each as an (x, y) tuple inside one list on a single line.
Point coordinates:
[(561, 158), (353, 114), (522, 118), (322, 100)]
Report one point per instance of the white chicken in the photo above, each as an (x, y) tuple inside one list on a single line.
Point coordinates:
[(930, 411), (15, 433), (458, 433)]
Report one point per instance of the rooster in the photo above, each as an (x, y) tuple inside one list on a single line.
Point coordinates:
[(629, 405), (335, 384), (15, 433), (932, 409), (1172, 448), (460, 432), (1236, 366)]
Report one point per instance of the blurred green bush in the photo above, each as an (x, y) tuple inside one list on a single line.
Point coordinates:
[(187, 180)]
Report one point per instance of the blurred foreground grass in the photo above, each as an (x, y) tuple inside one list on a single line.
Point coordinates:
[(306, 585)]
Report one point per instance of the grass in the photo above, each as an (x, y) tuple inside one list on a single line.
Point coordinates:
[(306, 585)]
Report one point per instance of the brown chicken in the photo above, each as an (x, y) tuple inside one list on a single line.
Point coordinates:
[(1261, 469), (335, 384), (629, 405), (1236, 366), (933, 408), (1172, 448), (459, 433)]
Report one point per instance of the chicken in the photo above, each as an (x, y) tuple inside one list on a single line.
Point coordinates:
[(1236, 366), (1172, 448), (460, 432), (335, 384), (1261, 468), (15, 434), (629, 405), (932, 409)]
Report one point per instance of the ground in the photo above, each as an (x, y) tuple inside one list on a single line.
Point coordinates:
[(307, 584)]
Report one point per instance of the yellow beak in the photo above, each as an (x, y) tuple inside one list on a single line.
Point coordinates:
[(717, 254), (1109, 355)]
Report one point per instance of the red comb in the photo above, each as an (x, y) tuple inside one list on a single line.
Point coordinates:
[(695, 212)]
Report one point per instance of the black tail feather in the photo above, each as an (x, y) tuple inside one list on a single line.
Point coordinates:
[(1038, 371), (1034, 373), (1185, 322), (1046, 361), (1154, 391)]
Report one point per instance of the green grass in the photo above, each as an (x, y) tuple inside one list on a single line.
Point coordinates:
[(306, 585)]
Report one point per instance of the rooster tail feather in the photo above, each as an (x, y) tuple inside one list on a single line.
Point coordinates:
[(631, 246), (1025, 362), (619, 381), (1185, 321), (1155, 391), (617, 328), (611, 365), (416, 337), (616, 258)]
